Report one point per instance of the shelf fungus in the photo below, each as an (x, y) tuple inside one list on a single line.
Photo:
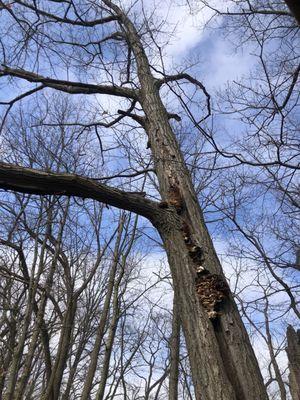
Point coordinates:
[(196, 253), (212, 291), (185, 229)]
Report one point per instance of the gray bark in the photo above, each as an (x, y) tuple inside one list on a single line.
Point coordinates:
[(12, 376), (109, 342), (275, 365)]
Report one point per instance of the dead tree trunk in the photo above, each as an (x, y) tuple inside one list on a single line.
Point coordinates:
[(234, 372), (293, 352)]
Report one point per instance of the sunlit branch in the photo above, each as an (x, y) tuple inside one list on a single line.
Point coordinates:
[(27, 180)]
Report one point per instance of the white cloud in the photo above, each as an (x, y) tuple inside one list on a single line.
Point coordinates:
[(188, 30), (224, 65)]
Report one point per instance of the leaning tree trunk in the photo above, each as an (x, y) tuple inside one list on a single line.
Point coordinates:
[(223, 363), (229, 350), (293, 352)]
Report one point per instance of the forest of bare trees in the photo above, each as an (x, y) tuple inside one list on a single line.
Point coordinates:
[(149, 236)]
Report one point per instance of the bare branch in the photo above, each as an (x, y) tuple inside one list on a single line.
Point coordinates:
[(189, 78), (66, 20), (27, 180), (69, 86), (13, 101)]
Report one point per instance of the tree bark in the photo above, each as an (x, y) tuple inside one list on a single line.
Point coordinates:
[(293, 353), (53, 388), (277, 372), (18, 351), (174, 354), (109, 341), (5, 363), (294, 7), (27, 180)]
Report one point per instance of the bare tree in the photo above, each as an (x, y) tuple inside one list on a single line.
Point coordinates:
[(101, 44)]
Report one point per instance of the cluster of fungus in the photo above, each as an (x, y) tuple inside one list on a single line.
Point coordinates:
[(212, 290)]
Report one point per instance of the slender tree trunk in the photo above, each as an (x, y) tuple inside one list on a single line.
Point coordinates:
[(122, 368), (103, 320), (278, 374), (19, 390), (174, 354), (10, 344), (18, 351), (293, 352), (73, 369), (39, 329), (233, 371), (109, 342), (53, 388)]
